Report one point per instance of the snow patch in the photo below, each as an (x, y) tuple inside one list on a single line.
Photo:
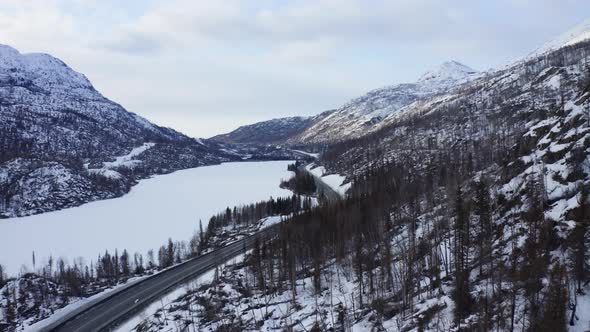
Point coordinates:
[(334, 181), (128, 159)]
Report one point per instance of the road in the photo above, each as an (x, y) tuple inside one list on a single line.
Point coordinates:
[(322, 188), (113, 309)]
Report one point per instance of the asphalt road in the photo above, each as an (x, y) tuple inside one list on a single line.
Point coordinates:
[(105, 314)]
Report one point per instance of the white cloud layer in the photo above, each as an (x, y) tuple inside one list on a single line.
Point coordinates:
[(205, 67)]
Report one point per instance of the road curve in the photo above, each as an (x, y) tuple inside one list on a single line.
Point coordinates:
[(114, 308), (322, 188)]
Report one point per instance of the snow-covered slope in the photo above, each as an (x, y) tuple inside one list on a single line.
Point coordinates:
[(361, 115), (46, 71), (573, 36), (379, 108), (447, 76), (275, 131), (45, 83), (525, 129)]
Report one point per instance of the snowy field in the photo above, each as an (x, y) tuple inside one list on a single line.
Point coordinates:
[(154, 210)]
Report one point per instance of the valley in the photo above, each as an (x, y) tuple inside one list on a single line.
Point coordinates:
[(457, 200)]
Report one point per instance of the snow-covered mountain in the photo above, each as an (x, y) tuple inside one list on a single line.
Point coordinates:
[(524, 132), (47, 87), (447, 76), (275, 131), (380, 107), (62, 143), (553, 78), (361, 115), (573, 36)]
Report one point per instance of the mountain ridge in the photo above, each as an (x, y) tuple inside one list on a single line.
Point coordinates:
[(358, 116), (378, 107), (273, 131), (577, 34), (361, 114)]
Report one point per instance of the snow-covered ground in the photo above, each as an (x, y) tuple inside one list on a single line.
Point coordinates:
[(582, 323), (277, 312), (157, 208), (334, 181), (127, 160), (166, 300)]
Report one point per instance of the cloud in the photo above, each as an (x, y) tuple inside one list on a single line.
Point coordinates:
[(205, 66), (34, 25), (180, 24), (133, 43), (304, 52)]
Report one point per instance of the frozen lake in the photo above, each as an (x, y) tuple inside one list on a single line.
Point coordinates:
[(154, 210)]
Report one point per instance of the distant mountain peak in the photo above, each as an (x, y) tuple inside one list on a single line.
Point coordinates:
[(448, 71), (7, 49), (274, 131), (45, 70), (363, 113), (577, 34)]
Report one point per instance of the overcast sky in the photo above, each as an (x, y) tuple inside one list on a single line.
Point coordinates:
[(206, 67)]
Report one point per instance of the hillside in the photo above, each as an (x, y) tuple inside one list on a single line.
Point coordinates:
[(363, 114), (275, 131), (468, 211), (63, 144)]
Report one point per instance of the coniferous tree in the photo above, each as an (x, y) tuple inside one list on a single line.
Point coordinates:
[(9, 309), (201, 233), (483, 211), (461, 292), (125, 268), (162, 258), (1, 276), (169, 253), (257, 264), (151, 263), (116, 265), (579, 236), (554, 305), (535, 260), (138, 263)]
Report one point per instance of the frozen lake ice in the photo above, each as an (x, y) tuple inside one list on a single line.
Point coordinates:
[(162, 207)]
